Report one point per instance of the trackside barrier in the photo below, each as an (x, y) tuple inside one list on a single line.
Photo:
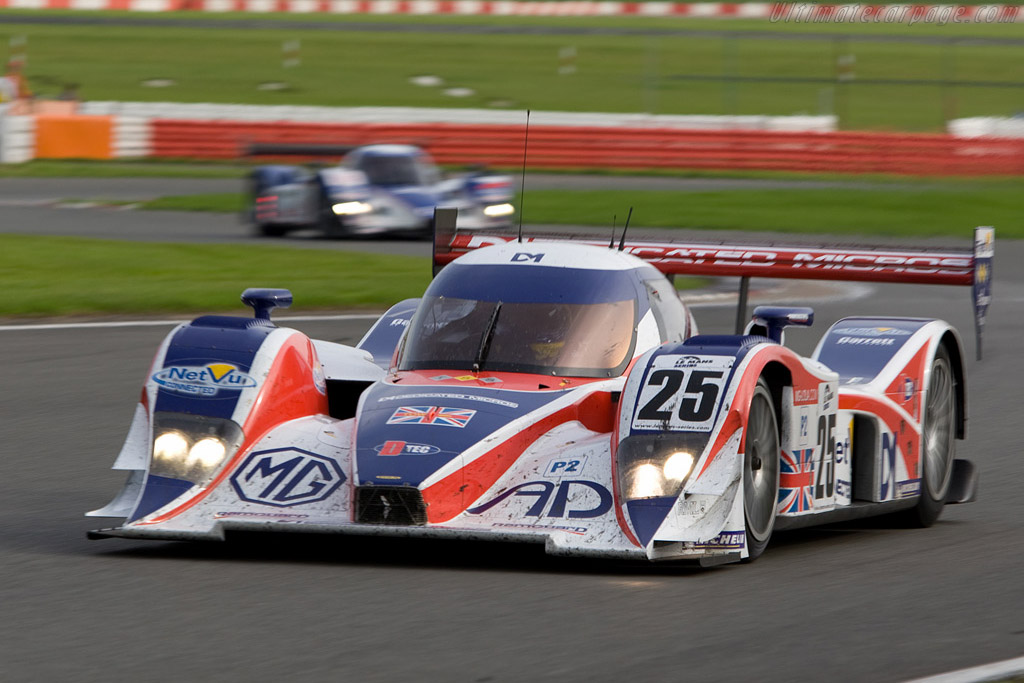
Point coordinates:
[(618, 148), (73, 137), (806, 12)]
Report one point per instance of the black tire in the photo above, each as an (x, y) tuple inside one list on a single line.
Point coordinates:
[(760, 471), (270, 229), (938, 435)]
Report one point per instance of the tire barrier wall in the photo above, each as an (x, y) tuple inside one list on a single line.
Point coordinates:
[(616, 148), (567, 147)]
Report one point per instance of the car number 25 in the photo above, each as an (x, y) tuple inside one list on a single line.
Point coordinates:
[(683, 395)]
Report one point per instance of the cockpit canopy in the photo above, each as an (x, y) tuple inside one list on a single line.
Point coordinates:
[(393, 165), (554, 321)]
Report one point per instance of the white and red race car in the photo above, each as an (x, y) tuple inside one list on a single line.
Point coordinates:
[(555, 392)]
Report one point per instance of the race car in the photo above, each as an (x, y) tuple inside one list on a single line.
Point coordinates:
[(375, 189), (560, 393)]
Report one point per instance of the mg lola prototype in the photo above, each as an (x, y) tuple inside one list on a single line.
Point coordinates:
[(557, 392), (376, 189)]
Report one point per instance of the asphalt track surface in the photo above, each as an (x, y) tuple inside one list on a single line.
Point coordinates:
[(861, 603)]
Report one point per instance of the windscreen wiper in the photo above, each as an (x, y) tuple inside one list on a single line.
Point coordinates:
[(485, 342)]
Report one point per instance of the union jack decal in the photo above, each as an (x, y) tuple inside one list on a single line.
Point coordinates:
[(432, 415), (796, 481)]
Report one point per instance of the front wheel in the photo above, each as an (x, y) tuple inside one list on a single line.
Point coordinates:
[(760, 471), (938, 431)]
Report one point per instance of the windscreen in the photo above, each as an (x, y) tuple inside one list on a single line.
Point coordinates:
[(581, 340), (394, 170)]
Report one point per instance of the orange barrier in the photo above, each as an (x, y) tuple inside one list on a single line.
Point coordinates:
[(631, 148), (73, 137)]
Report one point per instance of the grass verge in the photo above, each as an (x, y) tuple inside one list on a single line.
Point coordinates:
[(86, 276), (914, 82)]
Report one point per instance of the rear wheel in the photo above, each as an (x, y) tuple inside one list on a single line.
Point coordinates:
[(938, 431), (760, 471)]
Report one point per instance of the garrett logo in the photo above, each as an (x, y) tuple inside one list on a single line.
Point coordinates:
[(207, 380), (287, 476)]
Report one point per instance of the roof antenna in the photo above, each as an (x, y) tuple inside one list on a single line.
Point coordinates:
[(522, 186), (622, 241), (611, 244)]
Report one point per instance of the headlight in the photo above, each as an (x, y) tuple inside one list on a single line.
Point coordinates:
[(351, 208), (192, 447), (498, 210), (657, 466)]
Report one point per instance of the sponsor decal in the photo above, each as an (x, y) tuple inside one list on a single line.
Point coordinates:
[(796, 481), (431, 415), (286, 476), (399, 322), (564, 466), (691, 508), (906, 489), (451, 397), (579, 530), (466, 378), (828, 396), (693, 361), (805, 395), (725, 540), (523, 256), (405, 448), (867, 341), (843, 489), (280, 516), (573, 498), (908, 389), (208, 380), (874, 331)]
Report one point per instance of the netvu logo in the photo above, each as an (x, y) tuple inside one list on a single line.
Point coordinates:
[(207, 380)]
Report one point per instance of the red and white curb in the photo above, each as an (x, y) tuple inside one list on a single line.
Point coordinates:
[(796, 12)]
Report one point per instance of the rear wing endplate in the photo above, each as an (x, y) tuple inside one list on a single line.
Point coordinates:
[(931, 266)]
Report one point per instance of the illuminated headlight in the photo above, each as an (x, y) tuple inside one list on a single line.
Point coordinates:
[(657, 466), (351, 208), (498, 210), (192, 447)]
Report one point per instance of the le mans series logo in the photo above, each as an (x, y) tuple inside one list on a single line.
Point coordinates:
[(203, 381)]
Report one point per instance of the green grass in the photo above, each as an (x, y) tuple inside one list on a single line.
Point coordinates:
[(46, 168), (921, 211), (627, 73), (86, 276)]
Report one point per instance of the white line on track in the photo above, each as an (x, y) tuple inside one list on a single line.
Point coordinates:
[(997, 671)]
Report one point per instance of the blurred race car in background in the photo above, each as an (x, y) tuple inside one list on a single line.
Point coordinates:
[(376, 189)]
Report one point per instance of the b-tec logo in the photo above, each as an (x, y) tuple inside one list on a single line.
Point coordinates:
[(287, 476)]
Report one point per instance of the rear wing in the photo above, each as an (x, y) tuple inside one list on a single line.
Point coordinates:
[(283, 149), (745, 260)]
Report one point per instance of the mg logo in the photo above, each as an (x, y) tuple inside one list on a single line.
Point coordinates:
[(287, 476)]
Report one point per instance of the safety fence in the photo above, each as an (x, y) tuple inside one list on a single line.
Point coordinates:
[(550, 146)]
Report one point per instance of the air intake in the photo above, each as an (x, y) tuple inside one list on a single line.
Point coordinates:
[(390, 505)]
